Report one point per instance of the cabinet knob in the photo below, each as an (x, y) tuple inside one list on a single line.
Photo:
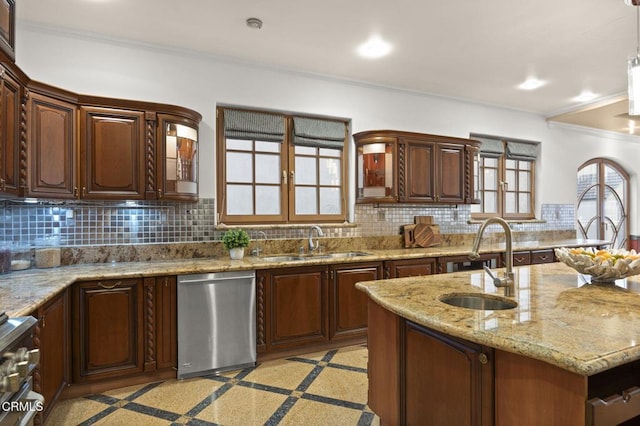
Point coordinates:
[(84, 191), (483, 358), (75, 191)]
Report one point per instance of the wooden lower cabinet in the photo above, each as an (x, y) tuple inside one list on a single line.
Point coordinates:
[(293, 309), (419, 376), (166, 323), (409, 267), (348, 305), (311, 306), (51, 337), (108, 329), (533, 257)]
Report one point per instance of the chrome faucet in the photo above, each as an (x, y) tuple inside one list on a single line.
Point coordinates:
[(314, 246), (258, 250), (507, 281)]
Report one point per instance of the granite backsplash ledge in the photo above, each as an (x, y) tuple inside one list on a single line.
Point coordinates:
[(214, 249)]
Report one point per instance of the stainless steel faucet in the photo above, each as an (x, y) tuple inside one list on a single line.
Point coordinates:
[(507, 281), (314, 246), (258, 250)]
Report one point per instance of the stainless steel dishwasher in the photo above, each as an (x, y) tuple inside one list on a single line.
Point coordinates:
[(216, 322)]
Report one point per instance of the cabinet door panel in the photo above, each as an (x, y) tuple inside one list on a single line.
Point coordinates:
[(298, 304), (451, 167), (10, 135), (112, 152), (348, 314), (53, 341), (420, 172), (52, 148), (166, 322), (444, 379), (108, 327)]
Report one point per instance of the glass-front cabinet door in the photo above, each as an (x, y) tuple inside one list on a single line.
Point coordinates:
[(376, 174), (178, 174)]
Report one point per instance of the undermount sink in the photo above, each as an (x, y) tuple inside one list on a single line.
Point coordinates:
[(347, 254), (282, 258), (479, 301), (296, 258)]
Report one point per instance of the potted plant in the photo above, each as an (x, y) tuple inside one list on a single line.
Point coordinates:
[(235, 240)]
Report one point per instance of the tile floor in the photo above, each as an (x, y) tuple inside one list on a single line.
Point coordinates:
[(323, 388)]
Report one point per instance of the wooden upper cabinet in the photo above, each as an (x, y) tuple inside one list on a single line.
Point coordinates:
[(52, 148), (418, 174), (10, 104), (450, 166), (112, 152), (424, 168), (8, 27), (177, 158)]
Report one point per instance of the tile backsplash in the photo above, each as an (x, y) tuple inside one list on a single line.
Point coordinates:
[(82, 224)]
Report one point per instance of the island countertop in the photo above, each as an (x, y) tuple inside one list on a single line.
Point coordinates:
[(561, 318)]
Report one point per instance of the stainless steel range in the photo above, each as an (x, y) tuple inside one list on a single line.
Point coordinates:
[(18, 402)]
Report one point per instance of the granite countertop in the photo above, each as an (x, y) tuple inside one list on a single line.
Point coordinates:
[(21, 292), (561, 318)]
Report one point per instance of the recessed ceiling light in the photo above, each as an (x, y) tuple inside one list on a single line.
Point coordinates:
[(585, 96), (531, 83), (373, 48), (254, 23)]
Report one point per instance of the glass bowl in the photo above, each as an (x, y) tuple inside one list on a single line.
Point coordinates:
[(602, 265)]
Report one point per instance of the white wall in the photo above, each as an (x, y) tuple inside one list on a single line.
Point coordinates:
[(115, 69)]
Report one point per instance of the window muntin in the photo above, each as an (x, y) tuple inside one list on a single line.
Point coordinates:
[(318, 182), (252, 177)]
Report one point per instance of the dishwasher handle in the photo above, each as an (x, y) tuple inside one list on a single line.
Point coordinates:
[(216, 277)]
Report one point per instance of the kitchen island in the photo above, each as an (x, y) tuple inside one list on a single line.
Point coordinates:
[(553, 359)]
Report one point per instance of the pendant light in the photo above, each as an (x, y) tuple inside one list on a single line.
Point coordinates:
[(633, 66)]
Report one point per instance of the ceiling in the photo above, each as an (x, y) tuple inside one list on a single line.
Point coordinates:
[(478, 51)]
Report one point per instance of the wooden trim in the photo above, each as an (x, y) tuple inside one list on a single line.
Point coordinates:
[(77, 390)]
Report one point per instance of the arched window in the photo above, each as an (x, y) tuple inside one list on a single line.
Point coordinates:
[(603, 202)]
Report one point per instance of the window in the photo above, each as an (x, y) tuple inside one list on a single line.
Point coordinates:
[(504, 178), (276, 168)]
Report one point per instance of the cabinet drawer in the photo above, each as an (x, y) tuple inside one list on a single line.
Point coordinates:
[(614, 409), (521, 258), (541, 256)]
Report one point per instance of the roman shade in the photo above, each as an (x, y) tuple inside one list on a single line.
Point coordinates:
[(522, 151), (491, 146), (318, 133), (251, 125)]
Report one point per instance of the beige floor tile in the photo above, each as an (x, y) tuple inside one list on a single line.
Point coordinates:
[(354, 356), (242, 406), (179, 396), (122, 393), (281, 373), (316, 356), (123, 417), (311, 413), (74, 411), (340, 384)]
